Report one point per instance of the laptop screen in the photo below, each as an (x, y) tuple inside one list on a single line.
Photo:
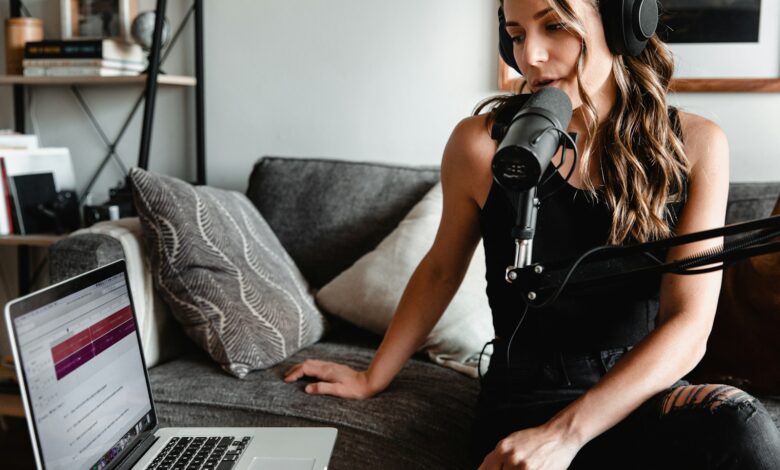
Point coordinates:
[(84, 374)]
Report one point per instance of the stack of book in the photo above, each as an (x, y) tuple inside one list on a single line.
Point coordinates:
[(80, 57)]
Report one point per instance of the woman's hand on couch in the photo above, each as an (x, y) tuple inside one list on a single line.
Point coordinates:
[(335, 379)]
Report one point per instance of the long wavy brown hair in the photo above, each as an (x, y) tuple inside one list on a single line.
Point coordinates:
[(642, 161)]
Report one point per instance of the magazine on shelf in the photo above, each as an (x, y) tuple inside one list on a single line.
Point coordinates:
[(18, 141), (56, 160)]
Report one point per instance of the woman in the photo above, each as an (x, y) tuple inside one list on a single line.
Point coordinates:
[(592, 381)]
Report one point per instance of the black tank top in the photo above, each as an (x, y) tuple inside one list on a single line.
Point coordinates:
[(569, 223)]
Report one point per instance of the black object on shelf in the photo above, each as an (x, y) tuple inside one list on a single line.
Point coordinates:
[(29, 194)]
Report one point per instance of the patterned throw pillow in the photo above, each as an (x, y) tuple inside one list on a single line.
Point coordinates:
[(224, 274)]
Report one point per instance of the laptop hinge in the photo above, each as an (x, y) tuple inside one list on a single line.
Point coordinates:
[(137, 451)]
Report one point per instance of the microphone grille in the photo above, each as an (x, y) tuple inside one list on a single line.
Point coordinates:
[(553, 100)]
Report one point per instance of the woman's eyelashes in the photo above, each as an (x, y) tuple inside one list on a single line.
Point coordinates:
[(552, 27)]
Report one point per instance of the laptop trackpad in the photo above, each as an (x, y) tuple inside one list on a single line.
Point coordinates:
[(266, 463)]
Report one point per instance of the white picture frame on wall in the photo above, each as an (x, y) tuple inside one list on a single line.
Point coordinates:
[(726, 60), (82, 19)]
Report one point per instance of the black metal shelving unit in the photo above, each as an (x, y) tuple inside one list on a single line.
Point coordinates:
[(147, 98)]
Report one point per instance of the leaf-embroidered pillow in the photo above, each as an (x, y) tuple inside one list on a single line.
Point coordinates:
[(224, 274)]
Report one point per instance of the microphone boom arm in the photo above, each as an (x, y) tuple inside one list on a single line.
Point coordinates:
[(542, 284)]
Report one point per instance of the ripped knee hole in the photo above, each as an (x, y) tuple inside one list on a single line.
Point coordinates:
[(710, 396)]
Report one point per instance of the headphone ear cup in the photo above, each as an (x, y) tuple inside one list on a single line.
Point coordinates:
[(505, 46), (628, 24)]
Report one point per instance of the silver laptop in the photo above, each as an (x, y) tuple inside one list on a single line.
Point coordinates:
[(87, 396)]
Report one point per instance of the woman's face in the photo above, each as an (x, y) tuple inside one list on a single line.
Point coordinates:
[(547, 54)]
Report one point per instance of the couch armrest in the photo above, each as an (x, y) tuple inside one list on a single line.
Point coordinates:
[(80, 253), (161, 336)]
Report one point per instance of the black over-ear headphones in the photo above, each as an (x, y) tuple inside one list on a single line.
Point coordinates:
[(628, 25)]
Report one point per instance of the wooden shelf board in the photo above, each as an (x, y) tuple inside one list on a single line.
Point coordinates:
[(172, 80), (11, 405), (29, 240)]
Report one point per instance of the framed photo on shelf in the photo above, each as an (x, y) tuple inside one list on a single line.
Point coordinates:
[(701, 34), (97, 18)]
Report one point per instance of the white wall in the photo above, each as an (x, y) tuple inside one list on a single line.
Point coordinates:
[(378, 81)]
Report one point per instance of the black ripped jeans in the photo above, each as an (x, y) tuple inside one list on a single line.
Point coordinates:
[(691, 427)]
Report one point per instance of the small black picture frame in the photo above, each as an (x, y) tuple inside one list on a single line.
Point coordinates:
[(29, 194)]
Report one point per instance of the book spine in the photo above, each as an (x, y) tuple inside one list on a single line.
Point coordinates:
[(77, 72), (111, 63), (84, 49), (64, 49), (5, 194), (17, 219)]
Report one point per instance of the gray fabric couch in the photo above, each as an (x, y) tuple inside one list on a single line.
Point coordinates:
[(327, 214)]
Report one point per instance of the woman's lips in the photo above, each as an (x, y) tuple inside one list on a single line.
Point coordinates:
[(546, 84)]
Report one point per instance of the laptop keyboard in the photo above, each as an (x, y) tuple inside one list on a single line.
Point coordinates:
[(199, 453)]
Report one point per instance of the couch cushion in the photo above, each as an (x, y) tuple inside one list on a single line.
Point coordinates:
[(422, 420), (329, 213), (748, 201), (224, 274)]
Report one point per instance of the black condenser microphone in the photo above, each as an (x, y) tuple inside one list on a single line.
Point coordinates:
[(530, 142), (532, 139)]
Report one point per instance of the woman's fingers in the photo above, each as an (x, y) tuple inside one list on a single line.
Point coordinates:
[(312, 368), (334, 379), (325, 388)]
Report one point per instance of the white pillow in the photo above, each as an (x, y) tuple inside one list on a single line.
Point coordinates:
[(160, 335), (368, 292)]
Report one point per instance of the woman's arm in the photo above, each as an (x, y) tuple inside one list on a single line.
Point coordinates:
[(434, 282), (687, 310)]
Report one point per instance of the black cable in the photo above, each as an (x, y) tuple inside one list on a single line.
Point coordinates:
[(652, 257), (479, 361), (572, 268), (691, 272), (567, 138), (517, 327), (556, 167)]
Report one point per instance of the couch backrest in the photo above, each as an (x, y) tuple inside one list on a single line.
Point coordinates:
[(329, 213), (748, 201)]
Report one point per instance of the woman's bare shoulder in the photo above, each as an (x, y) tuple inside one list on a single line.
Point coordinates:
[(471, 137), (703, 139), (468, 155)]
